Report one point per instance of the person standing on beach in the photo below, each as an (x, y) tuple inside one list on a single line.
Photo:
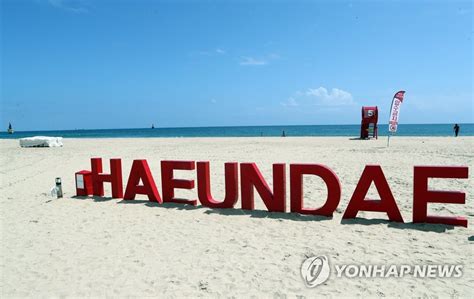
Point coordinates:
[(456, 130)]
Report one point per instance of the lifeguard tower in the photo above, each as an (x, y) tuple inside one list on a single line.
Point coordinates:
[(368, 125)]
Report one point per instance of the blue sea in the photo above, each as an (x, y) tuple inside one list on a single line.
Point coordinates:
[(249, 131)]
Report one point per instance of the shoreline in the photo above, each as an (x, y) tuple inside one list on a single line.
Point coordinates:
[(381, 138), (247, 126), (350, 131)]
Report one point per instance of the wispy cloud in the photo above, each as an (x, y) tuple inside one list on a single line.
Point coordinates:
[(75, 6), (213, 52), (273, 56), (252, 61), (320, 96), (335, 97), (243, 60), (291, 102)]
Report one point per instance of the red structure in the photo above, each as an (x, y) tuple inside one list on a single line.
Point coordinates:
[(83, 183), (251, 179), (368, 126)]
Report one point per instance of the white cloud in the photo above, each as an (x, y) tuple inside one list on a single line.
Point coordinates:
[(273, 56), (320, 96), (76, 6), (335, 97), (246, 60), (291, 102), (252, 61), (214, 52)]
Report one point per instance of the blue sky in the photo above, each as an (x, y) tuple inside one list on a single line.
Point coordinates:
[(126, 64)]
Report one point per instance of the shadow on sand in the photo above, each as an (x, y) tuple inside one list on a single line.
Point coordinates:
[(230, 212), (95, 198), (266, 214), (426, 227)]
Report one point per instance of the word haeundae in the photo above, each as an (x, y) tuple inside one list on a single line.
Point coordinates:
[(251, 179)]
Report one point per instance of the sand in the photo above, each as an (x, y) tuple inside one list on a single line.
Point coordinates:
[(108, 247)]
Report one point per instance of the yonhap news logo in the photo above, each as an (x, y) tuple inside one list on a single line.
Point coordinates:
[(316, 270)]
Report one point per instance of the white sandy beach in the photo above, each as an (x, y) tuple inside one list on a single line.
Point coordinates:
[(107, 247)]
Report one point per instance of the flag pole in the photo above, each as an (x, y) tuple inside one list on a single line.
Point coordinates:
[(393, 116)]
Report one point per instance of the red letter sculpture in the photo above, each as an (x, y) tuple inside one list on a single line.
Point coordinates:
[(422, 195), (168, 183), (251, 177), (204, 186), (358, 202), (115, 177), (296, 182), (141, 171)]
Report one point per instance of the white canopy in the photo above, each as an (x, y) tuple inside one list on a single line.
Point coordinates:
[(41, 141)]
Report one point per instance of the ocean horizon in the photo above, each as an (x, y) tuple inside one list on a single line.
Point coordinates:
[(434, 130)]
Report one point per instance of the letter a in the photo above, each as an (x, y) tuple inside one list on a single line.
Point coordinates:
[(141, 171), (358, 202)]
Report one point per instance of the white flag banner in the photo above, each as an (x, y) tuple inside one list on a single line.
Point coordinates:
[(394, 111)]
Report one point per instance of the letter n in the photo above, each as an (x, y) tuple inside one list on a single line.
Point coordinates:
[(251, 177)]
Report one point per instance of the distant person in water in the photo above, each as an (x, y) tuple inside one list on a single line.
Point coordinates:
[(456, 130), (283, 134)]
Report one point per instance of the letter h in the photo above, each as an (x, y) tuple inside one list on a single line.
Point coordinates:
[(115, 177)]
